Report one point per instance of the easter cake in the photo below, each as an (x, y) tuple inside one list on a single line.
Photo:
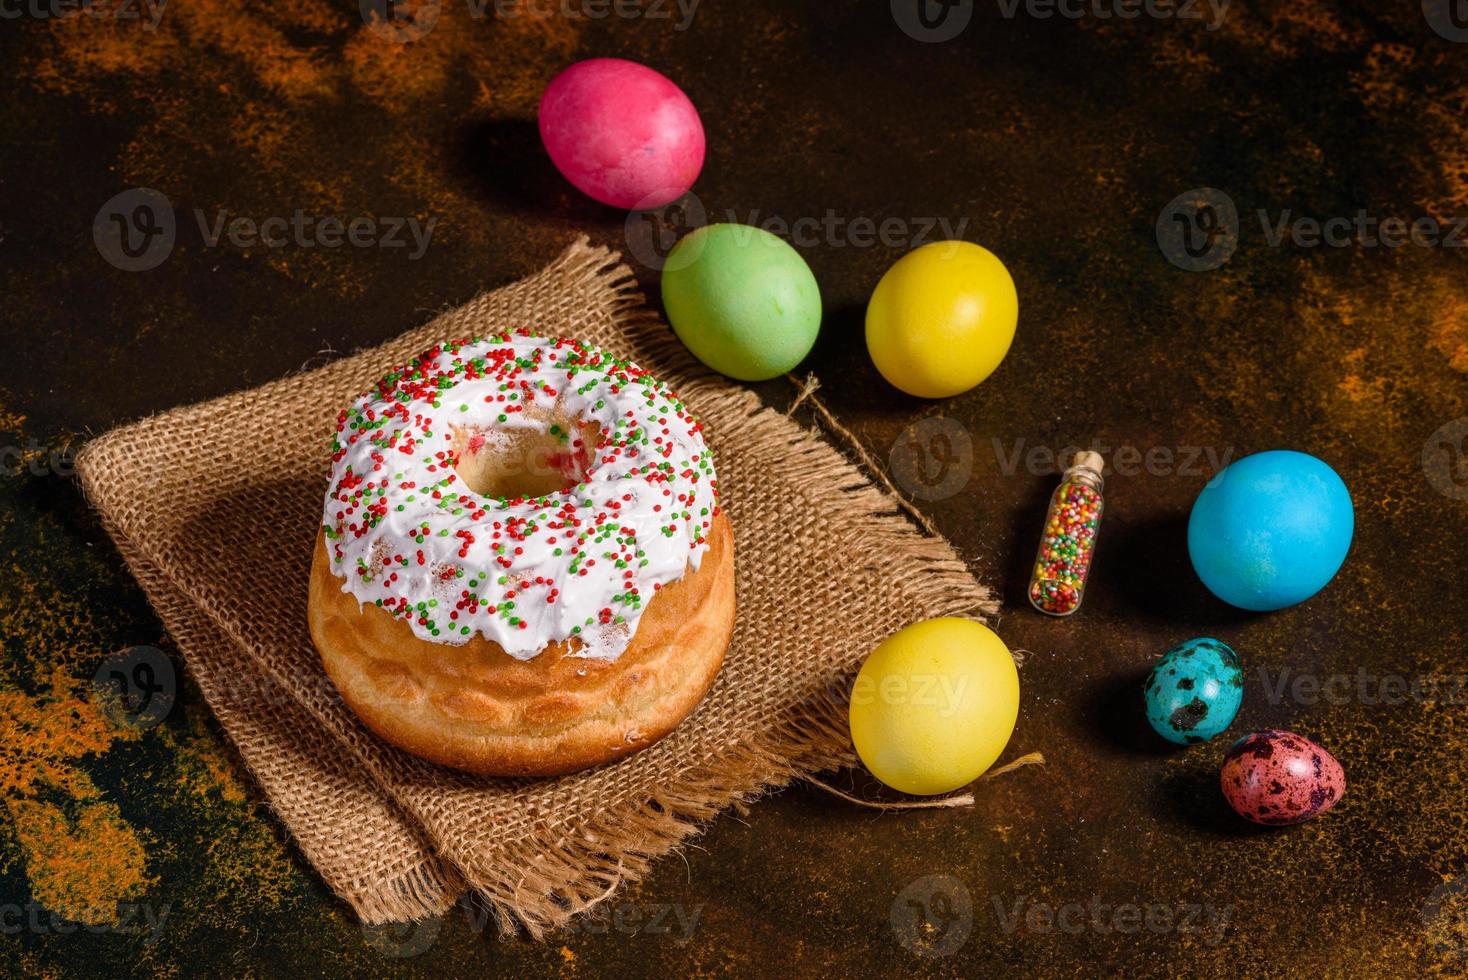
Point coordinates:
[(523, 567)]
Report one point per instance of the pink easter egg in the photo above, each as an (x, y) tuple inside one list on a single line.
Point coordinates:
[(1277, 777), (622, 133)]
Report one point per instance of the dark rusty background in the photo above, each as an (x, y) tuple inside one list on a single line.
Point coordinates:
[(1056, 142)]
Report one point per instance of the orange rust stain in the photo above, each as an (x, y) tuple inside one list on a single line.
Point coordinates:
[(1352, 385), (1358, 391), (1395, 81), (268, 92), (1379, 81), (1450, 334), (1285, 30), (11, 421), (1390, 83), (42, 735), (205, 771), (535, 50), (1318, 25), (80, 866), (1280, 30), (1173, 53), (81, 856)]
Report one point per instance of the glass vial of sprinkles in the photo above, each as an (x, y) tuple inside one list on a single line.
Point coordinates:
[(1069, 540)]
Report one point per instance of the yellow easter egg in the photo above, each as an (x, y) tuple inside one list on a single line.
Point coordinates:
[(934, 706), (942, 319)]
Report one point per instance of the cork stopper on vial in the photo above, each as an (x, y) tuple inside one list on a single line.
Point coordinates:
[(1087, 463)]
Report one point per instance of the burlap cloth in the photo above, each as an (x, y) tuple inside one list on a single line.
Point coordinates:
[(215, 508)]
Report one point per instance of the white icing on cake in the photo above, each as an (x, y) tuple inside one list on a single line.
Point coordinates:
[(407, 533)]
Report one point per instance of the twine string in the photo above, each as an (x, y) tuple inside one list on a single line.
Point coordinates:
[(945, 802), (807, 393)]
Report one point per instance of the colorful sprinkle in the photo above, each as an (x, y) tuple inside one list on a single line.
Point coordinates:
[(1067, 545), (397, 503)]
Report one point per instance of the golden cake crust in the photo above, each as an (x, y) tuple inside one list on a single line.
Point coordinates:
[(476, 708)]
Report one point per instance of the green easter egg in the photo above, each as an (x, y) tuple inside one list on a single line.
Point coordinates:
[(742, 300)]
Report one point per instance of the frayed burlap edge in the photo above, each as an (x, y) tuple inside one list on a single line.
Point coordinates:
[(423, 885), (543, 888)]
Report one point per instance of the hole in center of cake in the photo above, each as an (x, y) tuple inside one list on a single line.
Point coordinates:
[(525, 462)]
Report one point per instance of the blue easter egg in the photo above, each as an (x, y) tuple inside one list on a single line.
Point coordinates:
[(1271, 530), (1194, 691)]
